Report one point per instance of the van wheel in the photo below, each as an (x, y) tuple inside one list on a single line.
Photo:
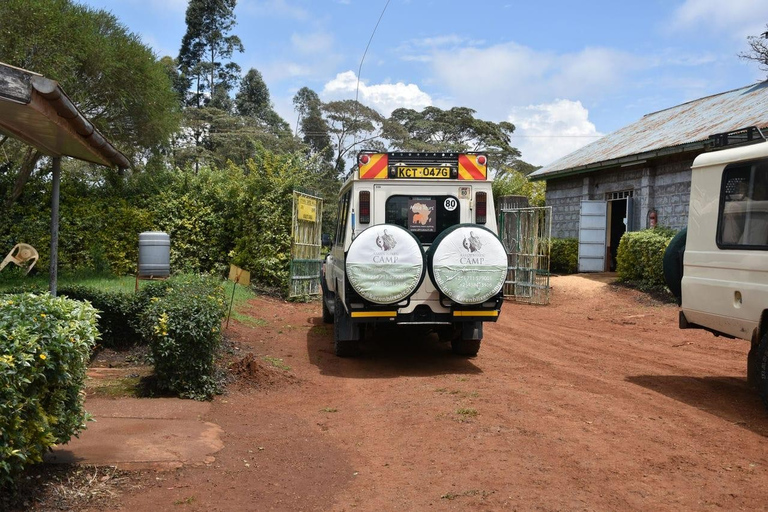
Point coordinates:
[(762, 377), (327, 313), (343, 330), (465, 347)]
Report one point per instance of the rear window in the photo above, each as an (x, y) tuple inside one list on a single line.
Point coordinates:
[(425, 216), (743, 217)]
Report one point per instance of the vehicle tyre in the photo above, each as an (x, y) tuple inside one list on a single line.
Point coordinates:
[(673, 264), (468, 263), (762, 377), (327, 314), (342, 332), (465, 347)]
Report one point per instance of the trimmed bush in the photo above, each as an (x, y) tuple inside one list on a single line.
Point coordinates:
[(183, 326), (45, 344), (117, 312), (564, 255), (640, 257)]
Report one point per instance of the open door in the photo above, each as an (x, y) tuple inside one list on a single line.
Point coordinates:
[(592, 222)]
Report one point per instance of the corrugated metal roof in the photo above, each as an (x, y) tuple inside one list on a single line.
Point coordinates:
[(675, 129)]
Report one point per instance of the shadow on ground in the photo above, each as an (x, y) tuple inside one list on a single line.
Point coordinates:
[(388, 352), (729, 398)]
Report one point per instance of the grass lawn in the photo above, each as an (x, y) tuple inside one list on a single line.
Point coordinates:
[(10, 279)]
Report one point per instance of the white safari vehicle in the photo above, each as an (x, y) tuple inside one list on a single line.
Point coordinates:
[(416, 245), (719, 269)]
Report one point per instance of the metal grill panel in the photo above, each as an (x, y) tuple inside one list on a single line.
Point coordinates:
[(526, 234), (306, 259)]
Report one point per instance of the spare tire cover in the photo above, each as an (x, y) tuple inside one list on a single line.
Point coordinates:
[(468, 263), (385, 264)]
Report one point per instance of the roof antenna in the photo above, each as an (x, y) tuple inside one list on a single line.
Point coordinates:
[(360, 69)]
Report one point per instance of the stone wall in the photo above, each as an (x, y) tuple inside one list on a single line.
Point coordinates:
[(662, 184)]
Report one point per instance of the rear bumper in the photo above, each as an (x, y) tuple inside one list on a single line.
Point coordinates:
[(423, 314)]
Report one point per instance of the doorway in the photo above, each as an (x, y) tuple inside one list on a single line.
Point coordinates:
[(617, 226)]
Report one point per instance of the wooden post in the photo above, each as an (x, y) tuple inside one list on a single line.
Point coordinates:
[(55, 224)]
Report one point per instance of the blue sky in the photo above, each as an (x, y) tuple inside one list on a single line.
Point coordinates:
[(564, 72)]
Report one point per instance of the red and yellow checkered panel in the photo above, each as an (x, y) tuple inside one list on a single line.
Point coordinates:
[(376, 168), (469, 169)]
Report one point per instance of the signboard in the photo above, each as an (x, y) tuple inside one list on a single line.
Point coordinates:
[(307, 209), (421, 215), (239, 276)]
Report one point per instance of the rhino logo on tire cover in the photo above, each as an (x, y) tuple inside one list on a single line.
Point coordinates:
[(473, 243), (386, 241)]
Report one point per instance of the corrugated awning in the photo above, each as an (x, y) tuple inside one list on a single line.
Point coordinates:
[(35, 110)]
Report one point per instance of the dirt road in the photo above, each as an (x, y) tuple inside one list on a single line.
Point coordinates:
[(596, 402)]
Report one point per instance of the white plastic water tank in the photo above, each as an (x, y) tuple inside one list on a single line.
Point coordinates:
[(154, 254)]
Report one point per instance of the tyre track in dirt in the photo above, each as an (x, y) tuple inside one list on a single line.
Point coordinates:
[(596, 402)]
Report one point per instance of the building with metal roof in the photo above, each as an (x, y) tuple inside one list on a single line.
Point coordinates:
[(640, 175)]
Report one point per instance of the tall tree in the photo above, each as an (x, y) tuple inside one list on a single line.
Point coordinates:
[(314, 129), (352, 125), (207, 47), (253, 97), (113, 78), (758, 49), (456, 129), (253, 104)]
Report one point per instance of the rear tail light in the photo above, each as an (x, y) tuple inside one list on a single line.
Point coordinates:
[(481, 207), (364, 159), (365, 207), (482, 160)]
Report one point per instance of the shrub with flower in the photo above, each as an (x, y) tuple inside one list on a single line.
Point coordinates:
[(45, 345)]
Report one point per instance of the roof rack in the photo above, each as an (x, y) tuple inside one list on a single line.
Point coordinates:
[(738, 137)]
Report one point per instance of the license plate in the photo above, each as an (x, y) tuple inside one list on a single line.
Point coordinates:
[(424, 172)]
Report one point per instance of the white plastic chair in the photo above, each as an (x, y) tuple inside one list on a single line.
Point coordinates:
[(21, 255)]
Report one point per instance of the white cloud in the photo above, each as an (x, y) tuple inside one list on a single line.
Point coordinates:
[(274, 9), (317, 42), (383, 97), (548, 131), (159, 5), (495, 78), (738, 18)]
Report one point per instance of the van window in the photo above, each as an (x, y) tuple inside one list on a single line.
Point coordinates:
[(341, 225), (743, 217), (425, 216)]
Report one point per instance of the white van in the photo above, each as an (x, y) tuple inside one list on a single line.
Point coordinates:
[(724, 281), (416, 245)]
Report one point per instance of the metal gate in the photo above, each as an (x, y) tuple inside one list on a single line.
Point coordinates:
[(526, 234), (306, 260)]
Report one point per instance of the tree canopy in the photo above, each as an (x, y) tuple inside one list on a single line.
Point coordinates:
[(113, 78), (758, 49)]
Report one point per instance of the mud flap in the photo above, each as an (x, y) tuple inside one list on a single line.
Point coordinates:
[(472, 330)]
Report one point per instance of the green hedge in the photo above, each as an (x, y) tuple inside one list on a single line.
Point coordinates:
[(117, 314), (183, 325), (45, 344), (640, 257), (564, 256)]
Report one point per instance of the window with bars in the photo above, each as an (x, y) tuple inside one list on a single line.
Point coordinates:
[(613, 196), (743, 218)]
